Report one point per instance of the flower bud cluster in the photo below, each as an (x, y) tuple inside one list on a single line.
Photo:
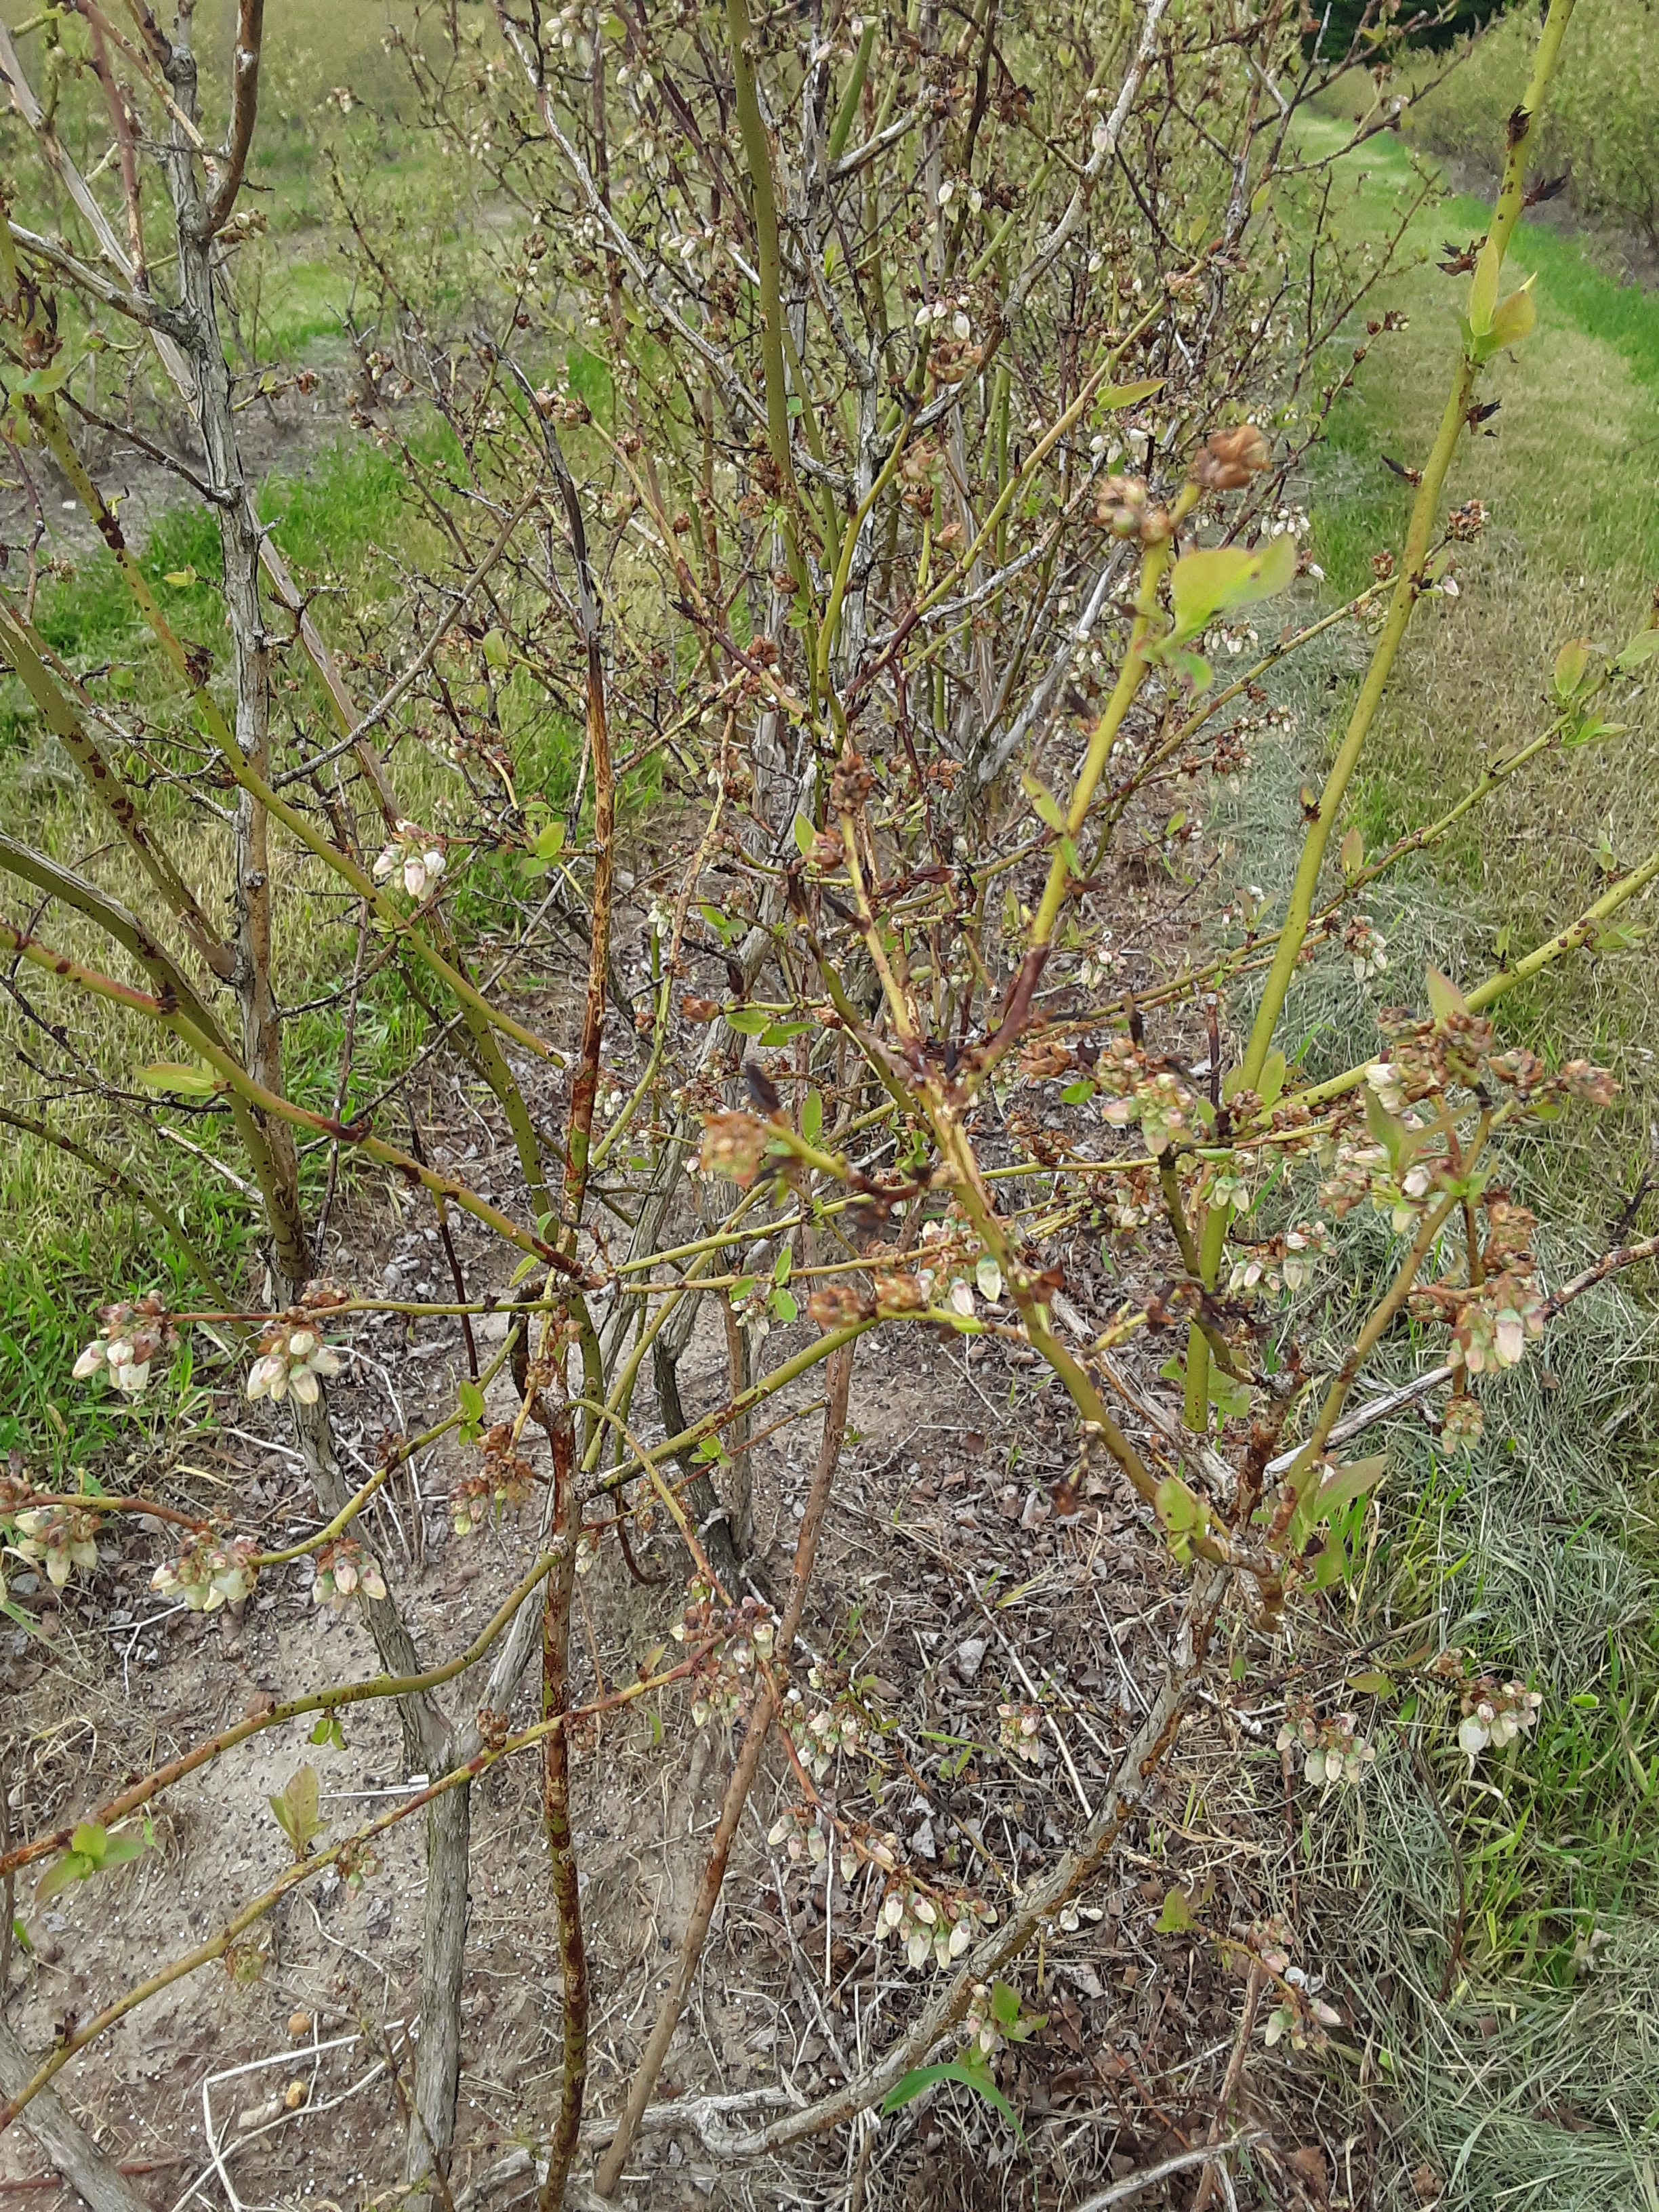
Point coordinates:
[(1492, 1321), (732, 1146), (57, 1538), (128, 1340), (1124, 506), (1017, 1731), (1229, 459), (1495, 1713), (937, 1928), (725, 1674), (210, 1573), (801, 1835), (1288, 1262), (504, 1481), (292, 1356), (341, 1571), (1462, 1424), (1163, 1105), (841, 1724), (1300, 2016), (978, 2026), (1331, 1751), (412, 854), (1367, 947)]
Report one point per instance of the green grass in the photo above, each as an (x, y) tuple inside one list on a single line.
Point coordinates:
[(66, 1245), (1571, 486), (1538, 1554), (1602, 124)]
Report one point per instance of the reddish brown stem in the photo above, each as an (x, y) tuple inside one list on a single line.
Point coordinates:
[(244, 106), (1229, 2080), (556, 1809), (608, 2175)]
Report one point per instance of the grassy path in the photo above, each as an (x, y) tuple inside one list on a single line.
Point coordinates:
[(1530, 2082), (1570, 473)]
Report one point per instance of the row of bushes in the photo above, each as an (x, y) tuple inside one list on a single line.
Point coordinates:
[(1603, 126)]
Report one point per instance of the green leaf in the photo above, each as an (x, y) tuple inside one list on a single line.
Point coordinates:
[(1396, 1140), (1079, 1094), (1374, 1683), (1332, 1566), (328, 1732), (1125, 395), (548, 841), (472, 1401), (783, 1306), (811, 1117), (91, 1849), (747, 1021), (781, 1266), (1181, 660), (74, 1866), (1044, 802), (976, 2078), (1444, 996), (297, 1810), (1340, 1488), (1353, 852), (1229, 1397), (181, 579), (1483, 295), (1004, 2005), (178, 1078), (1589, 730), (1203, 584), (806, 835), (1642, 646), (527, 1265), (1515, 320), (1181, 1509), (495, 649), (40, 382), (1571, 664), (1177, 1914), (1272, 1084)]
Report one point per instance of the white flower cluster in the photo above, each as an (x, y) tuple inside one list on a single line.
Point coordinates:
[(957, 310), (1290, 1262), (57, 1538), (1016, 1730), (341, 1568), (799, 1838), (413, 854), (208, 1574), (126, 1344), (1495, 1714), (1367, 947), (925, 1928), (292, 1356), (1331, 1750)]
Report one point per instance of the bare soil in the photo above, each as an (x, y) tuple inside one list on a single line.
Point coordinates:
[(947, 1577)]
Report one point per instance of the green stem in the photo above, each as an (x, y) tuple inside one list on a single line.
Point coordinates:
[(1407, 590), (846, 113)]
